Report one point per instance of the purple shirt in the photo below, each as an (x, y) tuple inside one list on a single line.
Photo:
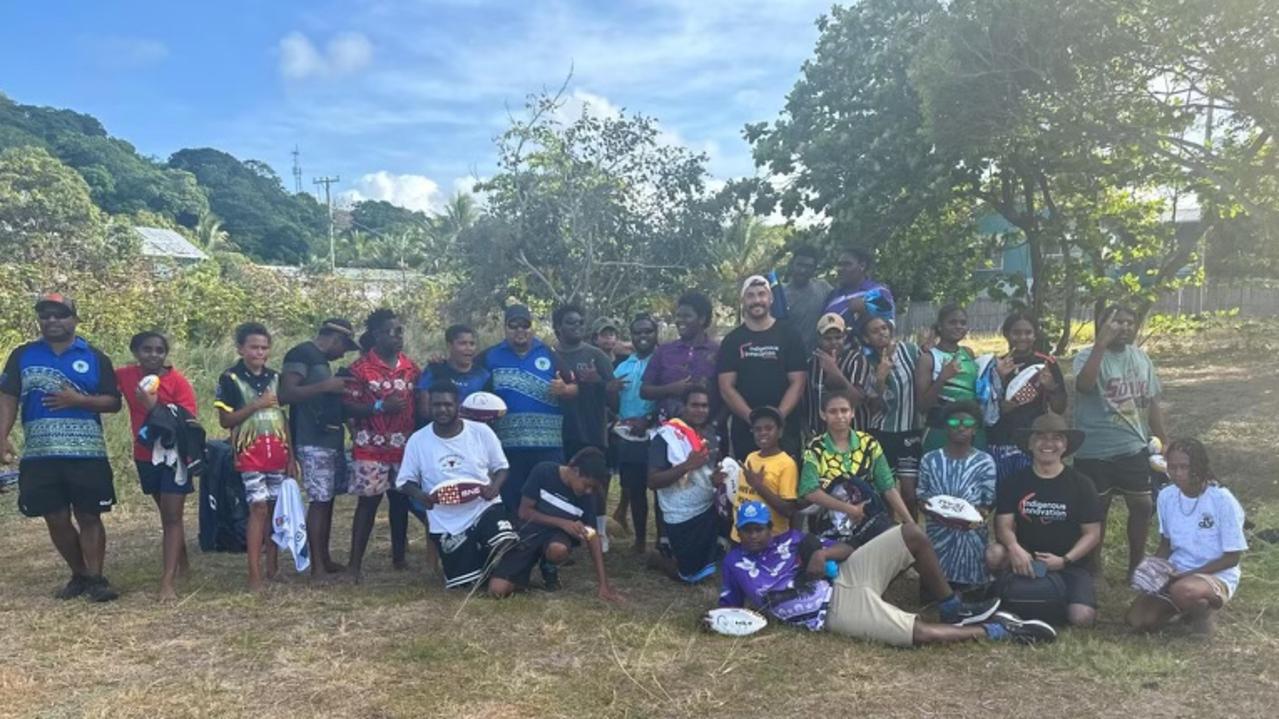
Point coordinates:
[(766, 581), (838, 299), (673, 361)]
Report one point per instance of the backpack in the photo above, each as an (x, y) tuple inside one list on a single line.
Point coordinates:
[(1042, 598), (224, 511)]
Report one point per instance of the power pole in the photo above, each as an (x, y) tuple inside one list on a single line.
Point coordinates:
[(297, 171), (328, 200)]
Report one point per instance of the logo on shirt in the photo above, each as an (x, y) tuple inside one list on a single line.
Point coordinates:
[(542, 363), (80, 366), (451, 461), (1046, 512), (750, 350), (1206, 521)]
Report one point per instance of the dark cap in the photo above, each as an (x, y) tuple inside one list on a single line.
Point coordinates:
[(517, 312), (767, 411), (339, 326), (606, 323), (59, 299)]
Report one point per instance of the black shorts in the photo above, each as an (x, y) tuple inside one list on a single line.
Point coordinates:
[(50, 485), (1118, 475), (1080, 586), (694, 544), (517, 564), (465, 556), (902, 450), (161, 479)]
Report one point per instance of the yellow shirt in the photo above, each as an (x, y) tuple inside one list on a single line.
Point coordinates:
[(781, 475)]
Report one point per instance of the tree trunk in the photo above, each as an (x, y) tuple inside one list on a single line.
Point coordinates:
[(1067, 315)]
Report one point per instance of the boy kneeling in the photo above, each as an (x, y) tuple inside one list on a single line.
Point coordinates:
[(557, 513), (819, 584)]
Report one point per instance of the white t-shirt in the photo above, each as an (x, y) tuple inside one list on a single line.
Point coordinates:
[(1202, 529), (430, 460)]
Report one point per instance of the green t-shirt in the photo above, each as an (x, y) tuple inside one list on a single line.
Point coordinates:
[(1115, 416), (823, 463)]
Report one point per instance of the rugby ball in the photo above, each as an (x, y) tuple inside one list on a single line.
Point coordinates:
[(149, 384), (1023, 388), (1154, 446), (1152, 575), (734, 621), (457, 491), (624, 431), (483, 407), (952, 511), (1159, 464), (732, 477)]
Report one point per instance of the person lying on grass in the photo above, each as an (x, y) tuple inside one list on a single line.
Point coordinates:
[(557, 513), (819, 584), (1201, 534)]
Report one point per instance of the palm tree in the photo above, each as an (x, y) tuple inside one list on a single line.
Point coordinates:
[(210, 237)]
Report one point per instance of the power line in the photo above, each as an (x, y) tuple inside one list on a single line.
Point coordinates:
[(328, 200)]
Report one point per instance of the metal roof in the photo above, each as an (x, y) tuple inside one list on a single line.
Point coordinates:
[(159, 242)]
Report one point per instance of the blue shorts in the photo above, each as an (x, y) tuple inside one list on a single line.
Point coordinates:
[(161, 479)]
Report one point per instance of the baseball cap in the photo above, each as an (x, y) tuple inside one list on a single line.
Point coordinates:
[(766, 411), (606, 323), (753, 512), (754, 280), (342, 327), (517, 312), (830, 321), (56, 298)]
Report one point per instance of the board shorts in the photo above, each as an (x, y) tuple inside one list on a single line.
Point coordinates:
[(1219, 588), (49, 485), (323, 471), (517, 564), (1128, 475), (262, 487), (464, 557), (370, 478), (162, 479), (902, 450), (694, 545), (857, 607)]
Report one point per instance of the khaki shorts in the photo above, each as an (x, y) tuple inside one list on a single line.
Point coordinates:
[(857, 607)]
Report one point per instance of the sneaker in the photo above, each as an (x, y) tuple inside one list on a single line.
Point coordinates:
[(967, 613), (75, 587), (550, 577), (99, 590), (1009, 627)]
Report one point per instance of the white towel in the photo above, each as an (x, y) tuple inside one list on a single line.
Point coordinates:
[(288, 526), (170, 458)]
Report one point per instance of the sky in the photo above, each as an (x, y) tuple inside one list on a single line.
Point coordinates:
[(402, 98)]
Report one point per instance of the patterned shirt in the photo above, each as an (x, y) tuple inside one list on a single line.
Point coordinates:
[(33, 372), (864, 460), (381, 436), (677, 360), (853, 371), (767, 581), (898, 395), (961, 552), (534, 419), (261, 442)]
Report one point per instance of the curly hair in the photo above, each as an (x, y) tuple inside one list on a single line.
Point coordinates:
[(1200, 467), (376, 320)]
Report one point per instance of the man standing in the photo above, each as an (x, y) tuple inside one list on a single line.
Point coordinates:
[(805, 295), (1117, 407), (527, 376), (688, 361), (469, 534), (314, 397), (858, 292), (459, 368), (761, 363), (64, 385)]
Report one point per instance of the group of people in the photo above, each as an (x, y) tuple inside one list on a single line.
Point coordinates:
[(795, 457)]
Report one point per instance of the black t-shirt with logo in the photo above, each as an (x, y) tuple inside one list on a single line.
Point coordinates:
[(1049, 512), (762, 361)]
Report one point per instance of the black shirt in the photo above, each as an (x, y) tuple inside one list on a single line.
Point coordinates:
[(762, 360), (1049, 512), (316, 422), (554, 498), (586, 415), (1022, 416)]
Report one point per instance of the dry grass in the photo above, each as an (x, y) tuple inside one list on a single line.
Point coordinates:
[(390, 648)]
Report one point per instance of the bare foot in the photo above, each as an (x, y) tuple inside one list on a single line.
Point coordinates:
[(356, 575), (167, 594), (333, 567), (256, 585), (620, 518), (273, 572)]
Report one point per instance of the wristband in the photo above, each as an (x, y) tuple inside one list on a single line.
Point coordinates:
[(1066, 561), (377, 407)]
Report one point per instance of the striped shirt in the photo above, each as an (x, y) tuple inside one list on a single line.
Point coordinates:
[(817, 384), (898, 411)]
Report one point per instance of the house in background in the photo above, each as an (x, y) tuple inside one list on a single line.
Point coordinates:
[(159, 243)]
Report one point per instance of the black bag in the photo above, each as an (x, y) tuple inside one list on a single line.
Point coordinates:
[(1042, 598), (224, 511)]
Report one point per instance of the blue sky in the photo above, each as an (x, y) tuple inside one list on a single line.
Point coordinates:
[(402, 98)]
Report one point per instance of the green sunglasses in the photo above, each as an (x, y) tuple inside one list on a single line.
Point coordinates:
[(966, 422)]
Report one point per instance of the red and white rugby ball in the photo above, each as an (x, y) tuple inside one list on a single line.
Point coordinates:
[(483, 407), (457, 491)]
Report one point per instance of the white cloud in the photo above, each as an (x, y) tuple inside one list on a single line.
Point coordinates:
[(412, 192), (345, 54)]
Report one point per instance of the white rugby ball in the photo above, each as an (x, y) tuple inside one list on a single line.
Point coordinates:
[(482, 407), (1159, 463), (734, 621), (732, 477), (952, 509)]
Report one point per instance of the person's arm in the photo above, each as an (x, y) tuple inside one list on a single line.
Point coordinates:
[(605, 591), (1225, 561), (823, 499), (775, 501), (8, 415), (1089, 538), (528, 512), (794, 392), (1164, 550), (661, 478), (893, 498), (837, 552), (292, 391), (96, 403), (230, 418), (1057, 395), (733, 399), (409, 479), (1158, 420), (928, 390), (1018, 557)]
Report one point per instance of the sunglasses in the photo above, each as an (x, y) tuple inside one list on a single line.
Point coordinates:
[(518, 325), (53, 315), (966, 422)]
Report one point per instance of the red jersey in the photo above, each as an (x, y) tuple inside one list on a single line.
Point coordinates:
[(174, 389), (381, 437)]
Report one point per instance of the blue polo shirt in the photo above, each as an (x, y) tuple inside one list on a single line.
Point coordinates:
[(533, 418), (467, 383), (33, 371)]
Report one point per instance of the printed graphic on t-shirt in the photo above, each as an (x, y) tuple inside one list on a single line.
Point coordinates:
[(1206, 521), (769, 353), (1046, 512)]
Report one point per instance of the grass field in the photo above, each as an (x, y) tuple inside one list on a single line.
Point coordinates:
[(398, 645)]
